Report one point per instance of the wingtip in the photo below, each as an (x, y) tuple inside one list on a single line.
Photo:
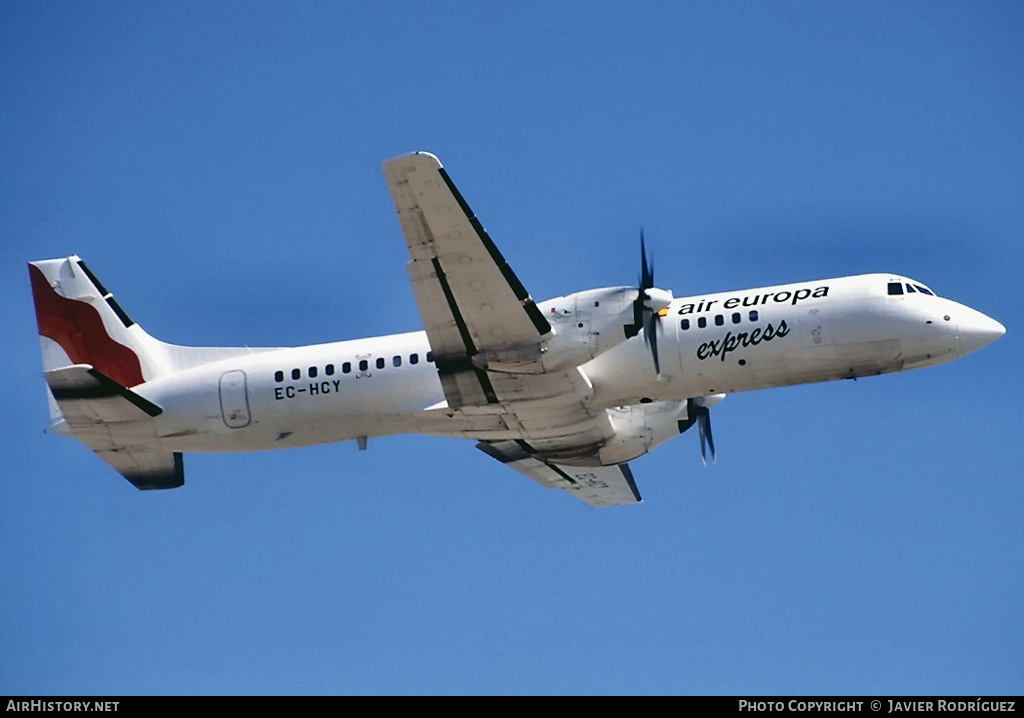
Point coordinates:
[(419, 156)]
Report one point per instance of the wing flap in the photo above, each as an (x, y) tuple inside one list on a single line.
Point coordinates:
[(598, 486)]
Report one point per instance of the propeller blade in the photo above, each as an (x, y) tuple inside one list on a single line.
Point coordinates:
[(704, 431), (651, 329), (646, 270), (645, 315)]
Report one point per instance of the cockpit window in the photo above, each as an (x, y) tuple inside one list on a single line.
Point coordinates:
[(925, 290), (910, 288), (895, 288)]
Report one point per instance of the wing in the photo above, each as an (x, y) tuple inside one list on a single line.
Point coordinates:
[(479, 318), (89, 401), (473, 306), (595, 485)]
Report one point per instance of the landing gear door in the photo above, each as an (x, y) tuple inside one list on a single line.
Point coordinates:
[(234, 399)]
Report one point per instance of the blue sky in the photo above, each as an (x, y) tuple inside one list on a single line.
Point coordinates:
[(218, 166)]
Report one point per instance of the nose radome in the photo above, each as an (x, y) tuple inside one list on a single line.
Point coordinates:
[(978, 330)]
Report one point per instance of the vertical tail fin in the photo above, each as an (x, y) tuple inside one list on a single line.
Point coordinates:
[(80, 322)]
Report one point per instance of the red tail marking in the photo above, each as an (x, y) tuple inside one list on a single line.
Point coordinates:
[(79, 330)]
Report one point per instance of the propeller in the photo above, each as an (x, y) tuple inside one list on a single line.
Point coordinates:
[(649, 301)]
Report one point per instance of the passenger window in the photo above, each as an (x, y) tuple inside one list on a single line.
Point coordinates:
[(312, 372), (753, 315), (363, 365), (397, 361), (719, 320), (380, 362), (346, 368), (296, 374), (329, 370), (736, 318), (278, 375), (414, 358), (685, 324), (702, 322), (895, 288)]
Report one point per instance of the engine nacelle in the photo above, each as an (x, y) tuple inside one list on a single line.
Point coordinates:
[(642, 427), (583, 325), (586, 324)]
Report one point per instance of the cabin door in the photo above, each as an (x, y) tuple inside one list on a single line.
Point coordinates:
[(234, 399)]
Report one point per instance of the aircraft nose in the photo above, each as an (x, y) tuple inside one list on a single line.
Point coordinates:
[(977, 331)]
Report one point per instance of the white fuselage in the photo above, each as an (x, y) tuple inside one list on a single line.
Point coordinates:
[(713, 344)]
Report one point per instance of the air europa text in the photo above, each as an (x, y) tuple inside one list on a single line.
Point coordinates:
[(756, 300)]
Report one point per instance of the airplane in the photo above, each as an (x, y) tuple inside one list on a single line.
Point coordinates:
[(566, 391)]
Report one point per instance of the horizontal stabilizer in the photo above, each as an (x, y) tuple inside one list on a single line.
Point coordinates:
[(146, 469), (89, 400), (594, 485), (88, 397)]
